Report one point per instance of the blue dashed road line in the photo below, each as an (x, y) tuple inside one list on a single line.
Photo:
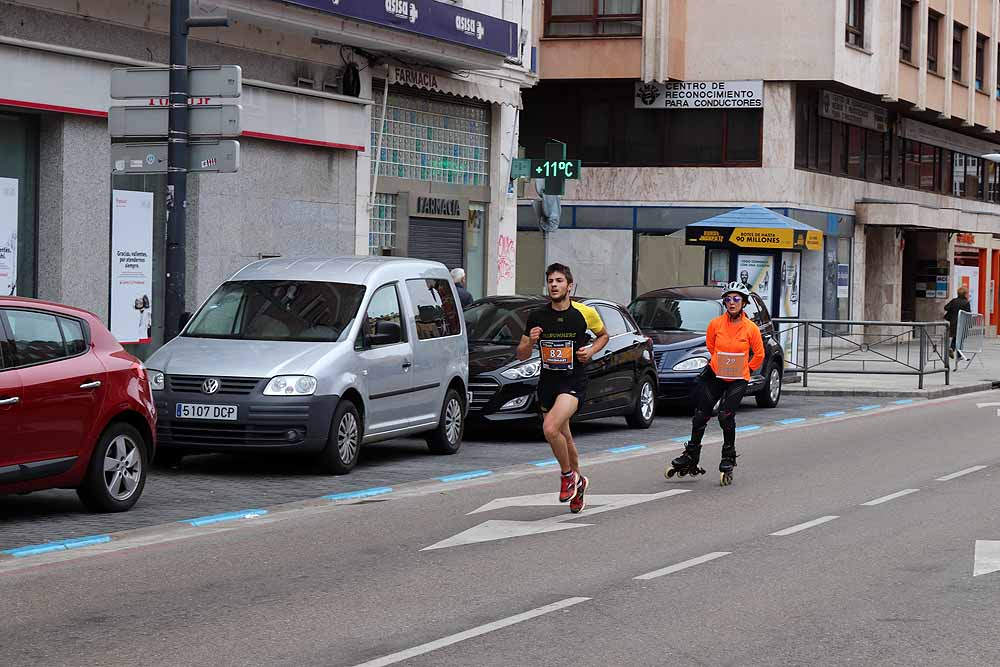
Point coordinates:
[(866, 408), (683, 439), (465, 475), (905, 401), (543, 463), (626, 448), (791, 420), (61, 545), (835, 413), (364, 493), (228, 516), (751, 427)]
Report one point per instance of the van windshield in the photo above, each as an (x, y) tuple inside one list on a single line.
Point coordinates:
[(278, 310)]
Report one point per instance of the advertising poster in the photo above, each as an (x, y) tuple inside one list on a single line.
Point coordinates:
[(791, 273), (8, 236), (757, 272), (968, 277), (843, 281), (132, 266)]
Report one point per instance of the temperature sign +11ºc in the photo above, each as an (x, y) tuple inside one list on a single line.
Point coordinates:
[(569, 169)]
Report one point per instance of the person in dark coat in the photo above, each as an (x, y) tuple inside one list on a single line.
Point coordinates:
[(464, 295), (951, 310)]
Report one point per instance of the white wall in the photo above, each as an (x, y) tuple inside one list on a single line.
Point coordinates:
[(601, 261)]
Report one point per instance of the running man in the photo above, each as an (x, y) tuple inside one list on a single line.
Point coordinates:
[(730, 337), (559, 330)]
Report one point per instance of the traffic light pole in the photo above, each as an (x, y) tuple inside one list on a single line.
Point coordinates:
[(177, 164), (177, 159)]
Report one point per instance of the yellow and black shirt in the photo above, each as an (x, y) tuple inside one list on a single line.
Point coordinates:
[(563, 333)]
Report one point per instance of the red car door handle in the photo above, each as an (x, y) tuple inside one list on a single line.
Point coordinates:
[(91, 385), (10, 401)]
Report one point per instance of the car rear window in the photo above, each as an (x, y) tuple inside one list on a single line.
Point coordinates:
[(666, 314)]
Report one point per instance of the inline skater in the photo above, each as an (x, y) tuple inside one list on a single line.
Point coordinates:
[(730, 339), (559, 331)]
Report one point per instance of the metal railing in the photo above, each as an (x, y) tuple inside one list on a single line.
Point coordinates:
[(865, 348), (969, 336)]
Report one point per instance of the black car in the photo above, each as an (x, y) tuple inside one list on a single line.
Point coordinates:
[(676, 319), (622, 375)]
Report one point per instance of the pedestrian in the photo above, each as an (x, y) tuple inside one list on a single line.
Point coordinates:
[(951, 310), (464, 295), (736, 348), (559, 331)]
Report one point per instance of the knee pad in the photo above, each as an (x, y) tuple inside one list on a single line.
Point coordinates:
[(727, 418), (700, 417)]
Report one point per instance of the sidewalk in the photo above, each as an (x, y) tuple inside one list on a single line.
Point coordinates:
[(980, 376)]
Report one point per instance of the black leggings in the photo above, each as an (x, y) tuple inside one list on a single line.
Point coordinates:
[(707, 393)]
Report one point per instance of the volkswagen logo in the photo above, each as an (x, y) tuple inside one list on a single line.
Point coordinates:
[(210, 386)]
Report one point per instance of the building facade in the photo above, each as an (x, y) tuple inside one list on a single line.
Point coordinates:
[(321, 173), (868, 120)]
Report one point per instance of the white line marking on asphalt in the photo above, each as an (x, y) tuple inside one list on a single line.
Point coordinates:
[(891, 496), (471, 633), (948, 478), (683, 566), (805, 526)]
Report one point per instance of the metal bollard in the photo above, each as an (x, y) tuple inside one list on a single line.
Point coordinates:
[(805, 357), (923, 356)]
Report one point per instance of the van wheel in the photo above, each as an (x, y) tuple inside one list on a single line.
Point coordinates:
[(644, 411), (344, 445), (447, 437), (770, 394), (116, 474)]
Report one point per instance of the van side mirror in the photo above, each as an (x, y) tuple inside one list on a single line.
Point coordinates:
[(386, 333)]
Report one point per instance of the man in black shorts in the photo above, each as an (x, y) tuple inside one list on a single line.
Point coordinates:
[(559, 330)]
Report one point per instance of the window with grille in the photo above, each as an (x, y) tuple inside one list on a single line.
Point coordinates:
[(427, 139), (382, 233), (856, 23), (593, 18), (906, 31)]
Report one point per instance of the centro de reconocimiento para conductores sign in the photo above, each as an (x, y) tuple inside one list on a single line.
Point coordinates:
[(700, 95)]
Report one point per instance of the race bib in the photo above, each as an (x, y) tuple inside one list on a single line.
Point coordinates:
[(557, 355), (731, 365)]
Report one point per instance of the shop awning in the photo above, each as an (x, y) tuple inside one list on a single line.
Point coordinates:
[(754, 227)]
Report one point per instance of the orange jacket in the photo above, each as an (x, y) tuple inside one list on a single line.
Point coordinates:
[(734, 337)]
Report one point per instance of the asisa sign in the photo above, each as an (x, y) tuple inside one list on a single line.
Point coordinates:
[(428, 18)]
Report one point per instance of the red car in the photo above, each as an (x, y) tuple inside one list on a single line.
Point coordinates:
[(76, 410)]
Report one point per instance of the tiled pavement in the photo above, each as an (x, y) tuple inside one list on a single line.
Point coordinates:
[(206, 485)]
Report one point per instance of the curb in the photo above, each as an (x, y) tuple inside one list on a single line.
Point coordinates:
[(944, 392)]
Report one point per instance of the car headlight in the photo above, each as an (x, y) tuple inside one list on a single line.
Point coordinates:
[(525, 371), (692, 364), (156, 379), (291, 385)]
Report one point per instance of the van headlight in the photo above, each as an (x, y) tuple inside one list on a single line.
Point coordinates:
[(291, 385), (157, 379), (692, 364), (524, 371)]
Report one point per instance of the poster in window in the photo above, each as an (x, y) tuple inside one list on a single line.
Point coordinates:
[(757, 272), (132, 266), (790, 276), (843, 281), (8, 236), (968, 277)]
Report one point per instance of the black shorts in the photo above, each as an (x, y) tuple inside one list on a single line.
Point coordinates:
[(550, 389)]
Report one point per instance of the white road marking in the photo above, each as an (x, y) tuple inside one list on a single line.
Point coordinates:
[(987, 558), (805, 526), (471, 633), (683, 566), (891, 496), (948, 478)]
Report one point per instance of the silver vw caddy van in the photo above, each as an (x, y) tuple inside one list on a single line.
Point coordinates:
[(316, 355)]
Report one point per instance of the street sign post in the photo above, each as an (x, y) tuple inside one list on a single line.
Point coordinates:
[(176, 83), (216, 120), (138, 83), (219, 157)]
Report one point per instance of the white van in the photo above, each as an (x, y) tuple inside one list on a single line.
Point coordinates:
[(316, 355)]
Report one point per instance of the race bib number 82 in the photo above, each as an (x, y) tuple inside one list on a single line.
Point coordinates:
[(557, 355)]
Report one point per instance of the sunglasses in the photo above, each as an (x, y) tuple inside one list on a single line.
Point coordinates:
[(732, 299)]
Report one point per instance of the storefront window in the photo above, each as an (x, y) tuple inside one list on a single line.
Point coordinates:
[(429, 139), (718, 266), (475, 251), (382, 233), (18, 205)]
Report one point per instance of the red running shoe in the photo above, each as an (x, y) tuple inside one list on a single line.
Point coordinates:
[(568, 489), (579, 502)]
